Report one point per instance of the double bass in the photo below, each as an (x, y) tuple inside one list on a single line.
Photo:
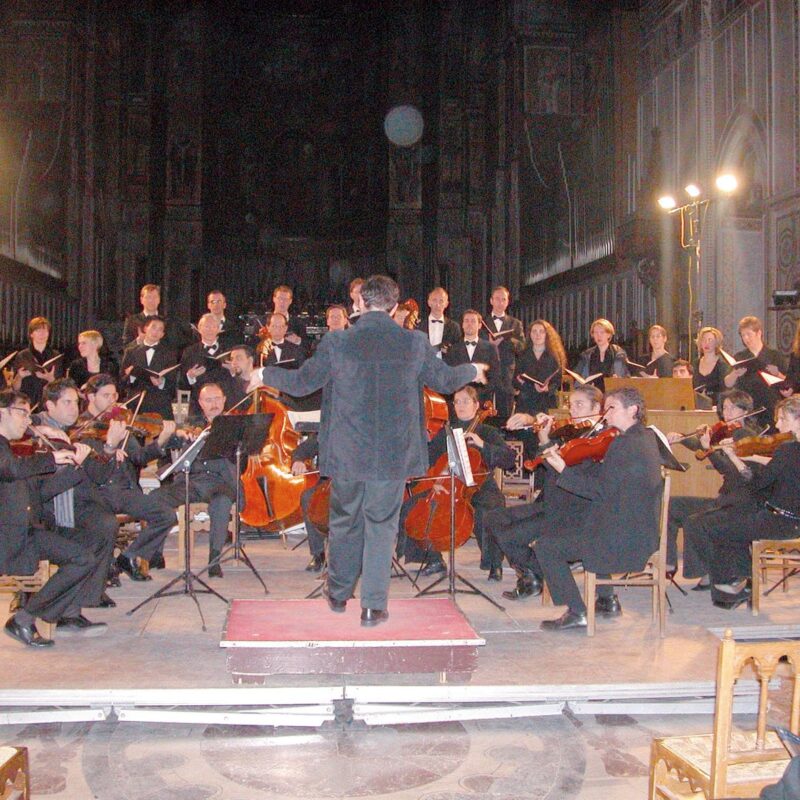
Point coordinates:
[(428, 521), (271, 491)]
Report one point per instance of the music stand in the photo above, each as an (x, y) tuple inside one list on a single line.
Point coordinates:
[(458, 466), (236, 437), (183, 463)]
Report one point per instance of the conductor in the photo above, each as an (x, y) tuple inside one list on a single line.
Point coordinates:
[(372, 436)]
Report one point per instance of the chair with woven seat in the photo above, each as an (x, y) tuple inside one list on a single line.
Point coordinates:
[(783, 554), (730, 762), (653, 576)]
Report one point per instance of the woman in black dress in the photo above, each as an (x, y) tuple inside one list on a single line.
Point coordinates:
[(605, 358), (91, 362), (31, 374), (542, 360), (661, 362), (710, 368)]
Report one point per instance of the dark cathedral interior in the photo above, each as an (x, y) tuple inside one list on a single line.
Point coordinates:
[(622, 171)]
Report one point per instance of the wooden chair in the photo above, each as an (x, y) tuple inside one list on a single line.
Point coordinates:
[(654, 575), (729, 762), (782, 554), (196, 526), (516, 486), (14, 773), (11, 584)]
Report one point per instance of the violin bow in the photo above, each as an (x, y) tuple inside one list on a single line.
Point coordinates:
[(735, 419), (133, 419)]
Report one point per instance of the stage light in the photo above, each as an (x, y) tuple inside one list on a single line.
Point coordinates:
[(693, 190), (667, 202), (404, 126), (727, 183)]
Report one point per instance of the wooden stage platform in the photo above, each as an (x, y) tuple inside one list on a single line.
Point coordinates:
[(160, 665)]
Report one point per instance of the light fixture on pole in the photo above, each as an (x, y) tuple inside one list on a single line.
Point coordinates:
[(693, 215)]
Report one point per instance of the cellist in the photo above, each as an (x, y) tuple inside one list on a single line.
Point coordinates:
[(494, 453)]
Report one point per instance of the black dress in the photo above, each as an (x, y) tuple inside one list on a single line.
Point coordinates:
[(751, 382), (79, 370), (529, 401), (713, 383), (662, 366), (32, 385)]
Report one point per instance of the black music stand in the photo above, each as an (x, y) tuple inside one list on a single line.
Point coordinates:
[(458, 466), (183, 463), (237, 437)]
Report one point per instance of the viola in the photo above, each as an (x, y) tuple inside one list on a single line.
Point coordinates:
[(585, 448), (271, 492), (428, 520)]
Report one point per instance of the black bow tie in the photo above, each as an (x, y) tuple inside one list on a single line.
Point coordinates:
[(498, 318), (473, 342), (439, 321), (210, 349)]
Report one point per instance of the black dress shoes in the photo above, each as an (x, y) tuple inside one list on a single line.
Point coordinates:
[(337, 606), (567, 621), (27, 634), (701, 587), (495, 574), (608, 606), (80, 624), (106, 602), (435, 567), (157, 561), (215, 570), (526, 587), (373, 616), (730, 601), (126, 564), (317, 563)]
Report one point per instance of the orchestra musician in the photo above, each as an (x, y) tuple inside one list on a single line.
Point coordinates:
[(153, 355), (620, 530), (211, 481), (306, 452), (91, 362), (513, 529), (747, 377), (24, 540), (442, 332), (372, 436), (603, 357), (282, 298), (71, 502), (685, 512), (494, 453), (240, 365), (506, 333), (199, 363), (471, 349), (30, 374), (543, 360), (120, 485), (774, 515)]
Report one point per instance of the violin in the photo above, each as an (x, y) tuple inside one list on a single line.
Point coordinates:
[(585, 448), (761, 445), (148, 425), (717, 433), (428, 520), (565, 429)]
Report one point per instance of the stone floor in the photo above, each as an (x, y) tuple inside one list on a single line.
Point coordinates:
[(163, 646)]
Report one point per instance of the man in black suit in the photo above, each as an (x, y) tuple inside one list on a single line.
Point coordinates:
[(211, 481), (152, 356), (282, 298), (283, 351), (240, 364), (621, 529), (229, 332), (442, 332), (506, 333), (23, 539), (199, 363), (372, 436), (474, 350)]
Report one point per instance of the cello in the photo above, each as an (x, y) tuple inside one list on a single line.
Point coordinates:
[(271, 492), (428, 521)]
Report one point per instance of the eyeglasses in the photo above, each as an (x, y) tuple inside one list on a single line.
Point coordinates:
[(24, 411)]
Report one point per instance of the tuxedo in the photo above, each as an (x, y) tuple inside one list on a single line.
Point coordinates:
[(176, 334), (230, 334), (484, 353), (451, 332), (156, 399), (199, 354), (294, 353), (507, 349)]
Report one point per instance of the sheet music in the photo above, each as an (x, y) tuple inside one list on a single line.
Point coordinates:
[(463, 457)]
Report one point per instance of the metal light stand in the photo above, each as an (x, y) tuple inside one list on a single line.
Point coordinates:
[(187, 577)]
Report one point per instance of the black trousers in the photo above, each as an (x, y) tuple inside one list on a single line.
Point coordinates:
[(512, 530), (680, 509), (66, 592), (95, 529), (363, 528), (155, 511), (316, 541)]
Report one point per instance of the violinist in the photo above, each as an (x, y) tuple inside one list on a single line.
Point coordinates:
[(684, 511), (90, 362), (543, 360), (199, 363), (142, 364), (604, 358), (620, 530), (372, 437), (775, 514), (515, 527), (474, 350), (442, 331), (120, 488), (24, 540), (211, 481), (494, 453), (35, 366), (72, 503), (747, 377)]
